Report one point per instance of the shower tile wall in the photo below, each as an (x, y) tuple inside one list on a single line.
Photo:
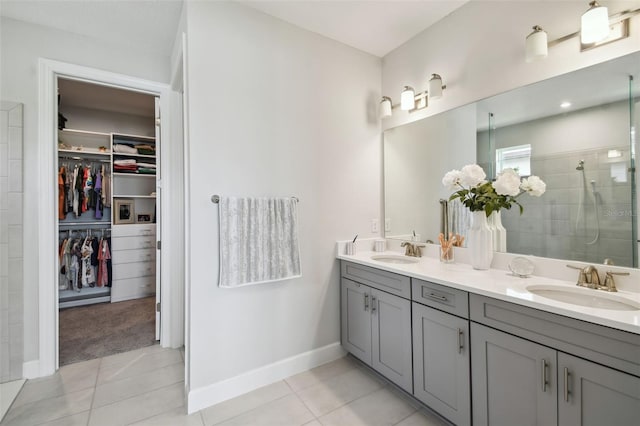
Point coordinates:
[(557, 225), (11, 294)]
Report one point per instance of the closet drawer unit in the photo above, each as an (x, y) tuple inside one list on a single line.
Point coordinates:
[(119, 257), (133, 270), (133, 243), (133, 288), (133, 230)]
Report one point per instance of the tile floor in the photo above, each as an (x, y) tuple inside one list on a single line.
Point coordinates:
[(146, 387)]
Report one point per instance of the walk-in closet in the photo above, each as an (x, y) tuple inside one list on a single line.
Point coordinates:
[(108, 169)]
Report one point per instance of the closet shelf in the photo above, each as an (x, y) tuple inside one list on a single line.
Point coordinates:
[(80, 223), (136, 175), (83, 132), (133, 196), (84, 152), (123, 154)]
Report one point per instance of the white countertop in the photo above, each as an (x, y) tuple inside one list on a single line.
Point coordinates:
[(501, 284)]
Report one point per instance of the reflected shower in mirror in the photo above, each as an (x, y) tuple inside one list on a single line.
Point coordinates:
[(575, 131)]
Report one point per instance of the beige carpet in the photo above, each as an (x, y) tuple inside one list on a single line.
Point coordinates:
[(94, 331)]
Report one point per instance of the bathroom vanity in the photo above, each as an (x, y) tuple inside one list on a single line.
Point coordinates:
[(479, 348)]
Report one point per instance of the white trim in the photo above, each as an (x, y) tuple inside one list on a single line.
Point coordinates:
[(246, 382), (49, 70), (31, 369)]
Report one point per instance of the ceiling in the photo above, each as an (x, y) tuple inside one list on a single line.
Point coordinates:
[(376, 27), (80, 94), (373, 26)]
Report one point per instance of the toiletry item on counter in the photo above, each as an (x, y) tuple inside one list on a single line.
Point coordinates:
[(350, 248), (415, 237), (446, 247), (380, 245)]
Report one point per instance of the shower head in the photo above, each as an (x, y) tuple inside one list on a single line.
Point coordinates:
[(580, 165)]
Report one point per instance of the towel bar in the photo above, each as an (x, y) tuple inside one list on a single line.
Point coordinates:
[(215, 199)]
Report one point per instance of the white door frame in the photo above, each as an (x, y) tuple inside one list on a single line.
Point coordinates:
[(49, 71)]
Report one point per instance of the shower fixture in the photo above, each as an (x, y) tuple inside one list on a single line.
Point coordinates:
[(595, 195)]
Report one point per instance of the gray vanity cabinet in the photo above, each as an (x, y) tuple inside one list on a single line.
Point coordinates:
[(513, 380), (356, 319), (548, 376), (592, 394), (441, 363), (376, 326)]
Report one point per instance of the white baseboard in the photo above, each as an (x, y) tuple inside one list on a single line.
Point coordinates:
[(230, 388), (31, 369)]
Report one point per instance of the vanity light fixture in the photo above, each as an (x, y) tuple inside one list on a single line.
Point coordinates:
[(410, 101), (407, 98), (435, 87), (594, 24), (597, 28), (385, 107), (565, 104), (536, 44)]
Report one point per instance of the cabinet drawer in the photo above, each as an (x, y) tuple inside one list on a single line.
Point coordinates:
[(441, 297), (132, 288), (615, 348), (133, 230), (377, 278), (133, 243), (133, 270), (119, 257)]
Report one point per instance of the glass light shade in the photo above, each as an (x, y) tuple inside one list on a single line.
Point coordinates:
[(594, 26), (407, 99), (536, 46), (435, 87), (385, 107)]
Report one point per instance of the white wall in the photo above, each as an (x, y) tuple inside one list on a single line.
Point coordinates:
[(274, 111), (416, 157), (21, 45), (479, 51)]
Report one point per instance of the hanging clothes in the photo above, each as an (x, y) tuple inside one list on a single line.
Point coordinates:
[(76, 194), (104, 255), (97, 189), (88, 273), (61, 198)]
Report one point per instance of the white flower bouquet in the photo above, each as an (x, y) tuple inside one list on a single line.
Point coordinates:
[(478, 194)]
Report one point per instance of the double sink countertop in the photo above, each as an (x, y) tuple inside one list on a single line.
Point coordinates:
[(503, 285)]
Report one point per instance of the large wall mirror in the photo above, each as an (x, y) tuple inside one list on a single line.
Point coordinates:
[(578, 132)]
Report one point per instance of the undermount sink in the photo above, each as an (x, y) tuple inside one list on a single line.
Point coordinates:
[(584, 297), (395, 258)]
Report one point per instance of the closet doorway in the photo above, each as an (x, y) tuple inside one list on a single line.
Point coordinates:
[(108, 149)]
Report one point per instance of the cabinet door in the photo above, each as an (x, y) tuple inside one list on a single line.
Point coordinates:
[(592, 394), (513, 380), (391, 338), (356, 319), (441, 363)]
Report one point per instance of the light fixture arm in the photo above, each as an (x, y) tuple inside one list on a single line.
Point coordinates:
[(615, 18)]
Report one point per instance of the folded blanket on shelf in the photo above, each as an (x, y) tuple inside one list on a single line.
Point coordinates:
[(146, 165), (124, 149), (124, 162)]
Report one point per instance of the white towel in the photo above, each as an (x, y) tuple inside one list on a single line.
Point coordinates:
[(459, 218), (258, 240)]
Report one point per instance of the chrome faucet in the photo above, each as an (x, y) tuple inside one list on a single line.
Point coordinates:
[(413, 250)]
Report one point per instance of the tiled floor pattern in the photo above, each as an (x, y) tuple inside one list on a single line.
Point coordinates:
[(146, 387)]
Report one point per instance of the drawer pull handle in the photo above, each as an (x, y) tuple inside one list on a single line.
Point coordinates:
[(566, 384), (366, 302), (460, 340), (545, 367), (374, 302), (438, 297)]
